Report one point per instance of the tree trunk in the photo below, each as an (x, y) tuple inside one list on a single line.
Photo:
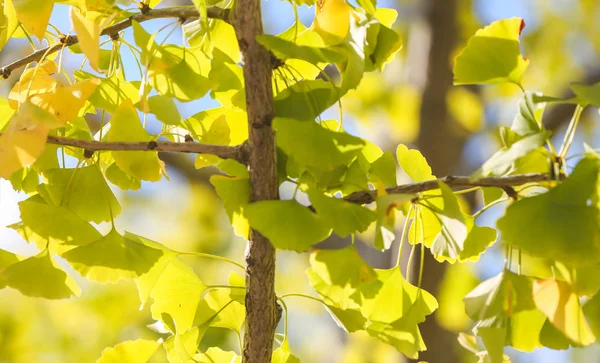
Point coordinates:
[(261, 311), (441, 142)]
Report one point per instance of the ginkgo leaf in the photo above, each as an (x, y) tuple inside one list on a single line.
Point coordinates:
[(287, 224), (332, 20), (33, 81), (8, 23), (137, 351), (7, 259), (459, 239), (501, 162), (560, 304), (84, 191), (88, 33), (283, 354), (46, 224), (175, 291), (314, 146), (503, 295), (65, 101), (39, 276), (492, 55), (173, 70), (165, 110), (217, 309), (561, 224), (414, 164), (345, 218), (587, 94), (285, 49), (231, 126), (111, 92), (25, 138), (34, 15), (391, 307), (126, 126), (216, 355), (235, 194), (181, 346), (112, 258), (383, 171), (306, 99)]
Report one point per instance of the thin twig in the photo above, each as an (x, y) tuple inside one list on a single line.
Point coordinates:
[(172, 12), (366, 197), (224, 152)]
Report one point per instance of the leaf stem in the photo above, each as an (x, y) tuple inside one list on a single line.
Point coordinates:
[(214, 257), (304, 296), (411, 209), (485, 208), (570, 134)]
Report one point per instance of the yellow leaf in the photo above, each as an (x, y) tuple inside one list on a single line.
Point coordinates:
[(24, 139), (560, 304), (88, 33), (64, 102), (34, 15), (125, 126), (332, 20), (33, 81)]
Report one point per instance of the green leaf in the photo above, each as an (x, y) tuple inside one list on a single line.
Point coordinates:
[(505, 294), (501, 162), (217, 309), (284, 49), (459, 239), (39, 276), (529, 118), (45, 224), (287, 224), (587, 94), (383, 44), (414, 164), (314, 146), (125, 125), (306, 100), (112, 258), (165, 110), (235, 194), (111, 92), (560, 304), (560, 224), (492, 55), (137, 351), (391, 308), (222, 125), (383, 170), (345, 218), (493, 333), (176, 291), (119, 178), (84, 191)]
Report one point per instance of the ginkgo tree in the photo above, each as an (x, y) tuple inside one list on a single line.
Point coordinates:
[(268, 129)]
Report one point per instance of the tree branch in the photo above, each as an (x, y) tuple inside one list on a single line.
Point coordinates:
[(237, 153), (182, 13), (366, 197)]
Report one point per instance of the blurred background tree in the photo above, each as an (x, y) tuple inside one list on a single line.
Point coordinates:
[(411, 102)]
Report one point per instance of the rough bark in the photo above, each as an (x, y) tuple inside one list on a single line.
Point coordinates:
[(261, 311), (441, 142)]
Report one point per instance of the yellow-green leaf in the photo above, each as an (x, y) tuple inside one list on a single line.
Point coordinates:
[(39, 276), (126, 126), (112, 258), (492, 55), (138, 351)]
